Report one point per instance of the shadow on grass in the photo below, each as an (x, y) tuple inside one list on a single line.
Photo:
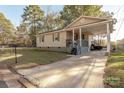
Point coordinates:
[(33, 57)]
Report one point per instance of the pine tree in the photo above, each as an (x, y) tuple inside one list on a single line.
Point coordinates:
[(33, 16)]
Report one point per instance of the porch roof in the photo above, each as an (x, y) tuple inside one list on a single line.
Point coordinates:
[(96, 19)]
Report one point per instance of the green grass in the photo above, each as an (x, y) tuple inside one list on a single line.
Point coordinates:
[(114, 72), (32, 56)]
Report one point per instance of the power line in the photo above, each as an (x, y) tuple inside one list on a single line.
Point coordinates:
[(119, 27), (117, 11)]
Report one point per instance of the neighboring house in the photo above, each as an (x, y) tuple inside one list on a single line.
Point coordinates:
[(81, 30)]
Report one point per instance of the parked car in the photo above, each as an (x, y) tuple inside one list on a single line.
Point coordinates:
[(95, 47)]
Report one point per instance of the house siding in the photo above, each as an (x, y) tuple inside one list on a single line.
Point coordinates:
[(49, 42)]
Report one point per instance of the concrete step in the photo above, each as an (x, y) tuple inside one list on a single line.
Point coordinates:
[(26, 83)]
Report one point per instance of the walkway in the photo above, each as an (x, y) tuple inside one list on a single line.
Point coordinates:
[(2, 82), (7, 78), (78, 71)]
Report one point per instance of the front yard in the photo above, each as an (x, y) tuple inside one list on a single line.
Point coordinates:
[(114, 71), (30, 57)]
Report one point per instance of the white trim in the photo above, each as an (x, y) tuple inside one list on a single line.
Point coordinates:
[(74, 21), (98, 23), (90, 38), (108, 39), (80, 37), (86, 17)]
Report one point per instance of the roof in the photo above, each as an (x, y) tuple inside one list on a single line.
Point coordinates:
[(50, 31), (91, 17)]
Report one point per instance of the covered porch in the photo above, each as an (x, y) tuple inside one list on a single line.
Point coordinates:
[(84, 34)]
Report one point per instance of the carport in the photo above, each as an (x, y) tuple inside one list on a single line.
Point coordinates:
[(104, 26)]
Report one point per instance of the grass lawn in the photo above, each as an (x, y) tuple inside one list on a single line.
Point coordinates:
[(31, 57), (114, 72)]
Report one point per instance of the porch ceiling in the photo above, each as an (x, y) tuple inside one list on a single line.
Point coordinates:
[(97, 29)]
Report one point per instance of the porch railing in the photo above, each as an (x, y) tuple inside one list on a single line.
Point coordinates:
[(80, 50), (69, 43)]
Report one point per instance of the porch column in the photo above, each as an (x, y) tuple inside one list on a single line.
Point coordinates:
[(89, 41), (73, 37), (80, 37), (108, 39)]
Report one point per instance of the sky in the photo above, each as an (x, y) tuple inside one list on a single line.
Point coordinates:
[(14, 12)]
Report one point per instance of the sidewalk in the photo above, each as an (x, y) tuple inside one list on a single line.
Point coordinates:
[(7, 78)]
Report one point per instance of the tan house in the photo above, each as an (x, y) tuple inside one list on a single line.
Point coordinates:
[(81, 30)]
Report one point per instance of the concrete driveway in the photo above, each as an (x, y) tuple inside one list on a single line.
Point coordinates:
[(78, 71)]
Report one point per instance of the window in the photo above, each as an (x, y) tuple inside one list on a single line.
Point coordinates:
[(42, 38), (83, 37), (56, 37), (39, 38)]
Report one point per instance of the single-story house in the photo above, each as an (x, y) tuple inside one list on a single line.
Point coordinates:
[(82, 30)]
